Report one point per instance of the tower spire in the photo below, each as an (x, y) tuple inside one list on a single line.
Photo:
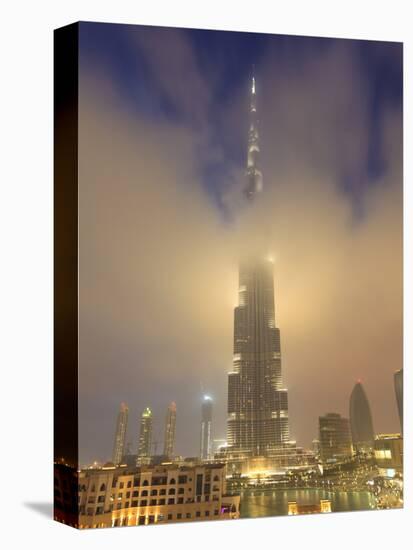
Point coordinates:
[(254, 175)]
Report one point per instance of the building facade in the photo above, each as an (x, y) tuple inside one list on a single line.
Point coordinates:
[(361, 422), (295, 508), (254, 175), (112, 497), (65, 487), (120, 434), (398, 387), (206, 428), (170, 426), (145, 438), (388, 452), (257, 402), (335, 438)]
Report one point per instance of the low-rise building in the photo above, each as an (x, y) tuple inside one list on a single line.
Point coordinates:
[(388, 452), (111, 497), (295, 508)]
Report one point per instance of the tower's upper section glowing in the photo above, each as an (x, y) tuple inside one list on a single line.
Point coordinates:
[(254, 174)]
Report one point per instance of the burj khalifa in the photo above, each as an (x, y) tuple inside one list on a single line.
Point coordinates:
[(257, 424)]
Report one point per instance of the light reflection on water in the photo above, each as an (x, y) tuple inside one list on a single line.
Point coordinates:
[(261, 503)]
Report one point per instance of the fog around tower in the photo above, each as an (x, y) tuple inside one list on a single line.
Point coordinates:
[(159, 246)]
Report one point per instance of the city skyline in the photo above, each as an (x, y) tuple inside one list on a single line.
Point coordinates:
[(327, 219), (360, 423)]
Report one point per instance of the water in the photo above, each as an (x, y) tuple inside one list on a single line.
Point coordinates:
[(274, 502)]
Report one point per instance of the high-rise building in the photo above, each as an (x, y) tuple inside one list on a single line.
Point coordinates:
[(145, 437), (398, 386), (361, 423), (120, 434), (335, 438), (257, 402), (170, 424), (206, 428), (254, 174)]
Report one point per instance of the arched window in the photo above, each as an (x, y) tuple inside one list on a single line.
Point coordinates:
[(216, 478), (171, 491), (103, 487), (145, 483), (144, 493), (172, 481)]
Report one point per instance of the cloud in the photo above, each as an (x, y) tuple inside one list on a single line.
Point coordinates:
[(158, 265)]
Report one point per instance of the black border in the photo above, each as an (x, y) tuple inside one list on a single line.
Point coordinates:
[(66, 108)]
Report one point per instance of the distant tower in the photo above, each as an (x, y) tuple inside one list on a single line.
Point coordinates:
[(335, 438), (360, 419), (170, 423), (316, 447), (398, 386), (145, 437), (206, 427), (120, 434)]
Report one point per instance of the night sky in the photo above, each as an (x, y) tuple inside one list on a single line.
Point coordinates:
[(162, 153)]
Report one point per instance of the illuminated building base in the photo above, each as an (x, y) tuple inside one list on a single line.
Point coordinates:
[(323, 507)]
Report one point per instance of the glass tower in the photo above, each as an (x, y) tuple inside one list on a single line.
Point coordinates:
[(335, 438), (361, 423), (120, 434), (170, 423), (145, 437)]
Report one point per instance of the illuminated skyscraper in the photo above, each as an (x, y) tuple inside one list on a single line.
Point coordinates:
[(335, 438), (170, 423), (398, 387), (206, 428), (145, 437), (120, 434), (254, 174), (361, 423), (257, 402)]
